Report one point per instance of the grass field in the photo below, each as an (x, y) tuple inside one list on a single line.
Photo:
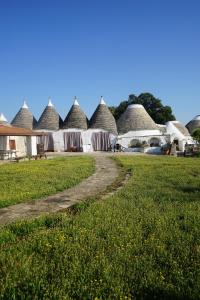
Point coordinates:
[(141, 243), (36, 179)]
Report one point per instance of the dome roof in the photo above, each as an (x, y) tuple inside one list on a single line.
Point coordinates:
[(76, 118), (135, 118), (49, 119), (193, 124), (3, 120), (103, 118), (24, 118)]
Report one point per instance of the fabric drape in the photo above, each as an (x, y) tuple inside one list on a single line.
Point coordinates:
[(47, 140), (3, 142), (101, 141), (73, 140)]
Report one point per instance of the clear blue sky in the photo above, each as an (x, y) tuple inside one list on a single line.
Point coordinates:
[(92, 48)]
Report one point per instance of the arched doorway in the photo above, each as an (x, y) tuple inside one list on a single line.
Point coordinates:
[(154, 142), (135, 143), (176, 142)]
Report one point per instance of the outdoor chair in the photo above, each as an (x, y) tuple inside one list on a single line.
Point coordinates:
[(118, 148)]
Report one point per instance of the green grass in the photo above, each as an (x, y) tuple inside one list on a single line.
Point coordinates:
[(36, 179), (141, 243)]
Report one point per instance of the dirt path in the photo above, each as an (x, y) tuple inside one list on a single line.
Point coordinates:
[(105, 174)]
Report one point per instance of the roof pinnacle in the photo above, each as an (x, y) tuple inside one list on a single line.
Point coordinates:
[(102, 101), (76, 101), (25, 105), (50, 102), (3, 118)]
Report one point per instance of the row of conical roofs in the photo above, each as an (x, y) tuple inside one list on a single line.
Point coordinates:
[(76, 118), (134, 118)]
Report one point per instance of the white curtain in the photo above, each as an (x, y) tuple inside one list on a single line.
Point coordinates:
[(47, 140), (73, 140), (101, 141), (3, 142)]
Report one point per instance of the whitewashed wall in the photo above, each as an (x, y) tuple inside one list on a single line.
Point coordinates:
[(86, 138), (24, 145), (175, 134), (31, 142), (141, 136), (59, 140)]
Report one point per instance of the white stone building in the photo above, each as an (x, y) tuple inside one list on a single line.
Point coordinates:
[(138, 132), (135, 129), (15, 141)]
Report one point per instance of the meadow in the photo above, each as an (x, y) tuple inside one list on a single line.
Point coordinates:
[(24, 181), (143, 242)]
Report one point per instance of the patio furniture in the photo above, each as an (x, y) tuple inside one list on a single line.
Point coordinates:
[(118, 148), (7, 154)]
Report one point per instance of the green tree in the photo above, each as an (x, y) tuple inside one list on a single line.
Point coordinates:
[(118, 110), (159, 113), (196, 135)]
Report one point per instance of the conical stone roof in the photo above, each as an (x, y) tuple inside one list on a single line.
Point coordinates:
[(76, 118), (135, 118), (49, 119), (24, 118), (193, 124), (3, 120), (103, 118), (181, 128)]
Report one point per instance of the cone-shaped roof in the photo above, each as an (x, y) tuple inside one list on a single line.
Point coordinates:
[(76, 118), (135, 118), (181, 128), (193, 124), (24, 118), (49, 119), (3, 120), (103, 118)]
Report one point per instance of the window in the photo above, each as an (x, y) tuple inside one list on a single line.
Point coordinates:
[(12, 144)]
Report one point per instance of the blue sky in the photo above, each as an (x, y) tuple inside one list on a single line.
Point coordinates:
[(93, 48)]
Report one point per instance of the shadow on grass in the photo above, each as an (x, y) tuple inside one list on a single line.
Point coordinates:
[(189, 189), (159, 293)]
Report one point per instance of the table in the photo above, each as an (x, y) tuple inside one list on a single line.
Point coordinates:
[(9, 154)]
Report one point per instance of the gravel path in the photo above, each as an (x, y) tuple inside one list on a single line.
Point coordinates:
[(105, 174)]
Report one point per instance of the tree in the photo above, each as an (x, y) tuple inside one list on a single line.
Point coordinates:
[(159, 113), (117, 111), (196, 135)]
